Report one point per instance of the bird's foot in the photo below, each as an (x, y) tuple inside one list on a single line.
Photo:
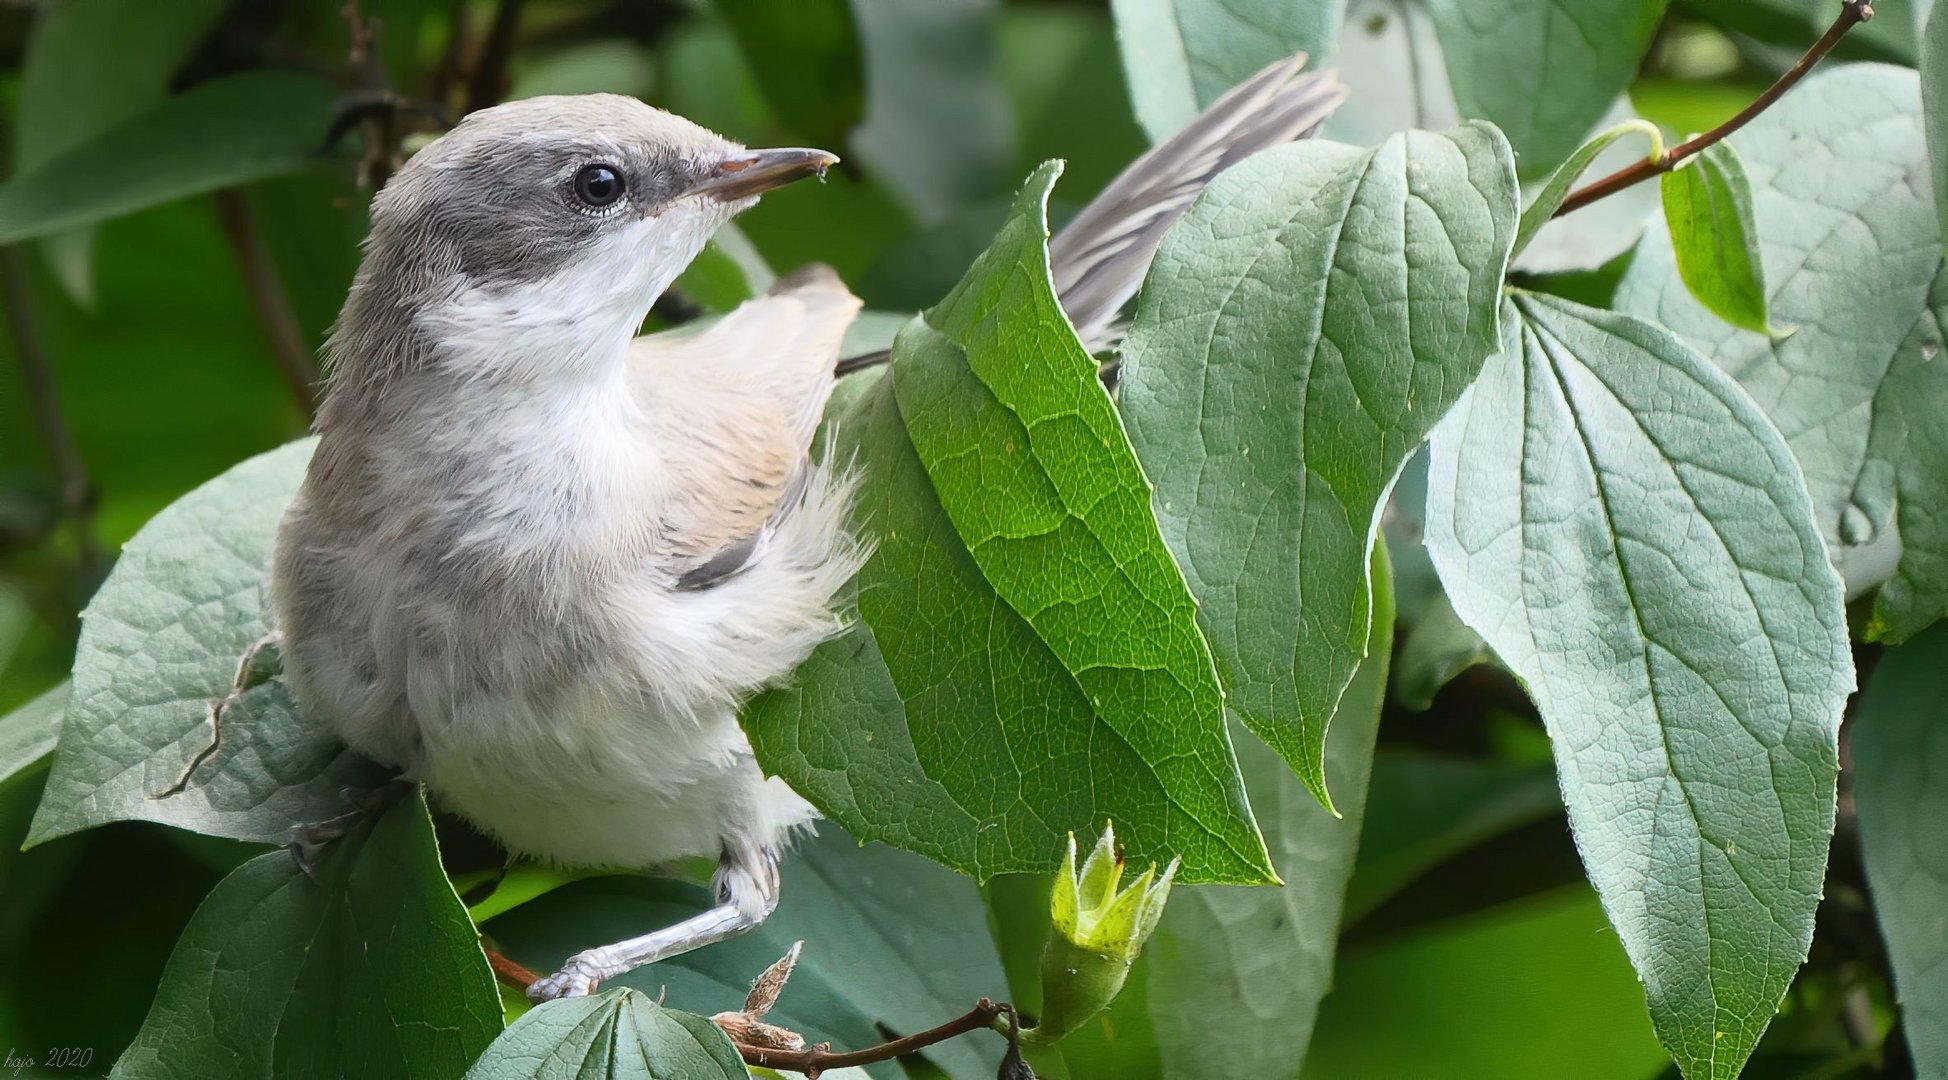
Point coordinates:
[(310, 838), (575, 979)]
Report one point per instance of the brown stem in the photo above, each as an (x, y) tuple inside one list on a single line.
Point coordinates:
[(1852, 14), (814, 1060), (268, 297), (77, 493), (509, 972), (490, 69)]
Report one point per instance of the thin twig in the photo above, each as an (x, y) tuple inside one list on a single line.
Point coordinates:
[(77, 492), (1852, 14), (814, 1060), (490, 67), (379, 127), (267, 295), (509, 972)]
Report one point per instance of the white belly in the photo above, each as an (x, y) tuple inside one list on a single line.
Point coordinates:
[(585, 786)]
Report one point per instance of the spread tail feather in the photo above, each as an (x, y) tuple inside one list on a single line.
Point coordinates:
[(1100, 257)]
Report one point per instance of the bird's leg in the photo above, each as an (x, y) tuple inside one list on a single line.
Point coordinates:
[(747, 892)]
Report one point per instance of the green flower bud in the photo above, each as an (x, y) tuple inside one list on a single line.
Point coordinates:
[(1095, 935)]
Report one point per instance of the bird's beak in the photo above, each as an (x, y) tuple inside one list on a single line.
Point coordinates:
[(753, 172)]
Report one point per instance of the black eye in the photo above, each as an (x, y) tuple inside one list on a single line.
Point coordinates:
[(598, 185)]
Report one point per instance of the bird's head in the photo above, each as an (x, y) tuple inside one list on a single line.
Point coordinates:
[(546, 227)]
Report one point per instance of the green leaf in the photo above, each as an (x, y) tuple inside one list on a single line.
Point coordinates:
[(1934, 104), (1708, 206), (1390, 60), (224, 132), (805, 57), (1024, 448), (1423, 809), (1900, 788), (372, 969), (88, 68), (1632, 538), (1848, 244), (1439, 647), (615, 1035), (1544, 71), (1229, 966), (27, 734), (1181, 55), (1326, 302), (892, 943), (1910, 441), (160, 644), (938, 129), (981, 708), (1549, 198)]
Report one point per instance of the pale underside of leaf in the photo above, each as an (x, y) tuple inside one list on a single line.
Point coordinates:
[(1907, 461), (619, 1034), (1848, 246), (1900, 755), (1633, 539), (1327, 303), (1181, 55), (160, 647)]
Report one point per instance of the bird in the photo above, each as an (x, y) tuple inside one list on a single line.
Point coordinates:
[(537, 561)]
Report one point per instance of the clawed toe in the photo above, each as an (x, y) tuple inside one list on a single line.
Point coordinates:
[(570, 981), (310, 838)]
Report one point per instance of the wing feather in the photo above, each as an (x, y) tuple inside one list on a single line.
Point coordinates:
[(739, 402)]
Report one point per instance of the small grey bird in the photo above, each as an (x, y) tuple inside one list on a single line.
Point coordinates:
[(538, 562)]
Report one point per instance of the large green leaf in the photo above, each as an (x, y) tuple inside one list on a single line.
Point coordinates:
[(228, 131), (1229, 964), (938, 129), (89, 67), (1708, 207), (616, 1035), (1910, 440), (1390, 59), (1181, 55), (1305, 324), (27, 734), (1632, 537), (985, 704), (892, 943), (1900, 789), (1545, 71), (160, 644), (1848, 243), (372, 969)]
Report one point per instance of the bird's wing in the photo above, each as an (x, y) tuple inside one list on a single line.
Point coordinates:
[(739, 403)]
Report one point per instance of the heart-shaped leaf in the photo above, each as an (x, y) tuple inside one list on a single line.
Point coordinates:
[(1327, 304), (160, 647), (371, 969)]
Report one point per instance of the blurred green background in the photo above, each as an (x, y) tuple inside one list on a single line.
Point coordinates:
[(1494, 960)]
